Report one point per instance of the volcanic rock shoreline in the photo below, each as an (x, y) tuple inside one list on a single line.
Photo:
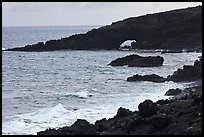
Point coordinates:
[(180, 115), (171, 30)]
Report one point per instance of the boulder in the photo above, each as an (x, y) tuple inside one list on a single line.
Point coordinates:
[(147, 108)]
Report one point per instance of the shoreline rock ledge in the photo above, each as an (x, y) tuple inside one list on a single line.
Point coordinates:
[(173, 30)]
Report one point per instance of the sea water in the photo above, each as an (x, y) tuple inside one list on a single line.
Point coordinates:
[(43, 90)]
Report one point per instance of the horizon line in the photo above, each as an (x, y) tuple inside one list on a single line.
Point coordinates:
[(48, 25)]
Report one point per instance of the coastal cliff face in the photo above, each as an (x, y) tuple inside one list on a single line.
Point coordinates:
[(176, 29)]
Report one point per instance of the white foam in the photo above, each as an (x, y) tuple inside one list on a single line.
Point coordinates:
[(55, 117), (31, 123), (80, 94), (94, 89), (3, 49)]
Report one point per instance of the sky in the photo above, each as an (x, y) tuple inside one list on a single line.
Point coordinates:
[(80, 13)]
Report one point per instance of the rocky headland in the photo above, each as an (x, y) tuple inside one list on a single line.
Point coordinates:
[(172, 30)]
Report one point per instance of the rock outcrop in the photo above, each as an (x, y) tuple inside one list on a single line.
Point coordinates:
[(176, 29), (188, 73), (152, 77), (138, 61)]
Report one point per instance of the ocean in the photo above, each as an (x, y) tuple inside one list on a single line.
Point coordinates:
[(43, 90)]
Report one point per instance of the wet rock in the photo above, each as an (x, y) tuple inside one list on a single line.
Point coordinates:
[(147, 108), (152, 77), (172, 92), (138, 61)]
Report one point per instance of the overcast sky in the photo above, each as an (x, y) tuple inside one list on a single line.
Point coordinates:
[(80, 13)]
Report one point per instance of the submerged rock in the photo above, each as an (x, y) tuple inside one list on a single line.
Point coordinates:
[(138, 61)]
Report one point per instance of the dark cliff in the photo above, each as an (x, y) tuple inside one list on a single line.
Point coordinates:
[(176, 29)]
